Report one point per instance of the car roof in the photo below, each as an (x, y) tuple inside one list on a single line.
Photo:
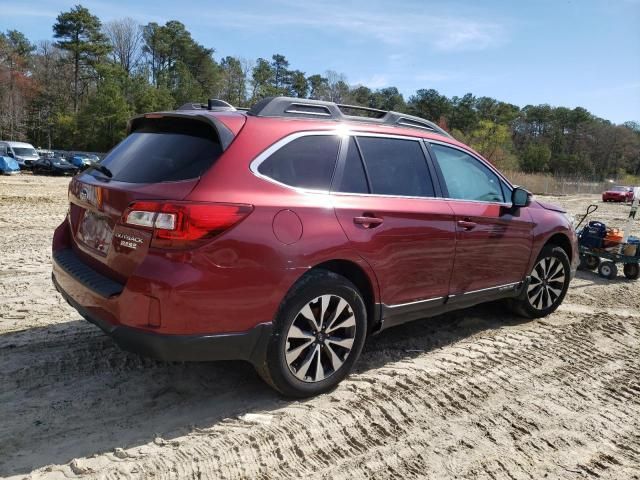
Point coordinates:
[(17, 144), (293, 125), (284, 126)]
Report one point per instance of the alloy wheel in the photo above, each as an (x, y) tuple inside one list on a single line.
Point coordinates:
[(320, 338), (547, 282)]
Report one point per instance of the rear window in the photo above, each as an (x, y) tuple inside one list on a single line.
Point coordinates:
[(307, 162), (164, 150)]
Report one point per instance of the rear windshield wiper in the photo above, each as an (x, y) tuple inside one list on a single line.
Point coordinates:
[(101, 168)]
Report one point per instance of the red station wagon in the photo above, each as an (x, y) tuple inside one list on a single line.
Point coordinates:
[(286, 234)]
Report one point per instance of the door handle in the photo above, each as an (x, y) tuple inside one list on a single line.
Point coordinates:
[(467, 224), (367, 222)]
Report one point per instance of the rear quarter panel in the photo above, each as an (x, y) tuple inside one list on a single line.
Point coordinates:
[(251, 270)]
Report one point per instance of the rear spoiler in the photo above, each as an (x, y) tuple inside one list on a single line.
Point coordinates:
[(225, 135)]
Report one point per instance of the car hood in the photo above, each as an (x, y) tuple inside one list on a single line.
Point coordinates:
[(551, 206)]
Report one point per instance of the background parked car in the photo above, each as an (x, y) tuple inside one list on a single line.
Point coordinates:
[(619, 193), (8, 166), (23, 153), (80, 160), (54, 166), (43, 153)]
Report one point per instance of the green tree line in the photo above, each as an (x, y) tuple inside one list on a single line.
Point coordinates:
[(79, 90)]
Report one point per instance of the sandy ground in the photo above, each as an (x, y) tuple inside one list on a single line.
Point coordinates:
[(475, 394)]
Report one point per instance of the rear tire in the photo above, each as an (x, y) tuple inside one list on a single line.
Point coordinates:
[(608, 270), (631, 271), (549, 281), (317, 337)]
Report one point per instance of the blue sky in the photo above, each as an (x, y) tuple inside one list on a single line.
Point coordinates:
[(569, 53)]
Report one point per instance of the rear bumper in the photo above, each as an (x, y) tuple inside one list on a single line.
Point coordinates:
[(249, 345)]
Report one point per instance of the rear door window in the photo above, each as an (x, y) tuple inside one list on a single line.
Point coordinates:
[(306, 162), (466, 177), (354, 178), (164, 150), (396, 167)]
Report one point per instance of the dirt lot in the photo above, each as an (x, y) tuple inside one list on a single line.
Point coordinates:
[(475, 394)]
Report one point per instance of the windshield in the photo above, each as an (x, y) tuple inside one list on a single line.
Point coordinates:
[(24, 152), (59, 161), (619, 189)]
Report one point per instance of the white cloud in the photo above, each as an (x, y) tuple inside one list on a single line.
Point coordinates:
[(399, 28), (375, 81), (468, 36)]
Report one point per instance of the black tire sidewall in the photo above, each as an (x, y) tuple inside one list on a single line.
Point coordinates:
[(594, 265), (611, 266), (631, 271), (548, 251), (313, 285)]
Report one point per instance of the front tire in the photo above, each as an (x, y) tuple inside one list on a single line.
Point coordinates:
[(549, 281), (318, 335)]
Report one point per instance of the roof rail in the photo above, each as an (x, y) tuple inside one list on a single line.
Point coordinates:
[(213, 104), (304, 108)]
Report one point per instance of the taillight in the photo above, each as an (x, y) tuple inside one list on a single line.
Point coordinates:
[(184, 224)]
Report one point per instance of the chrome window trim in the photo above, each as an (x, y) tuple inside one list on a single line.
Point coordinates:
[(256, 162), (273, 148), (509, 205)]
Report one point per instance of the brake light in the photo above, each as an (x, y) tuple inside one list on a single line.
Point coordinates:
[(184, 224)]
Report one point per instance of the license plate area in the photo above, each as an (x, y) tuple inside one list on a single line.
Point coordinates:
[(96, 232)]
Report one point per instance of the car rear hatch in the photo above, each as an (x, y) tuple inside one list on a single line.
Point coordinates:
[(113, 210)]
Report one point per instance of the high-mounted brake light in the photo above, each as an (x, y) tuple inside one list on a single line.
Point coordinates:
[(184, 224)]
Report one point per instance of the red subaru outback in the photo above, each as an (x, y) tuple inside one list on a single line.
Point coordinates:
[(287, 234)]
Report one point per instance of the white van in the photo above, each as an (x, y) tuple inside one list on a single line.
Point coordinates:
[(23, 153)]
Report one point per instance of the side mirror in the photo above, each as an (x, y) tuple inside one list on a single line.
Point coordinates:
[(10, 154), (520, 197)]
